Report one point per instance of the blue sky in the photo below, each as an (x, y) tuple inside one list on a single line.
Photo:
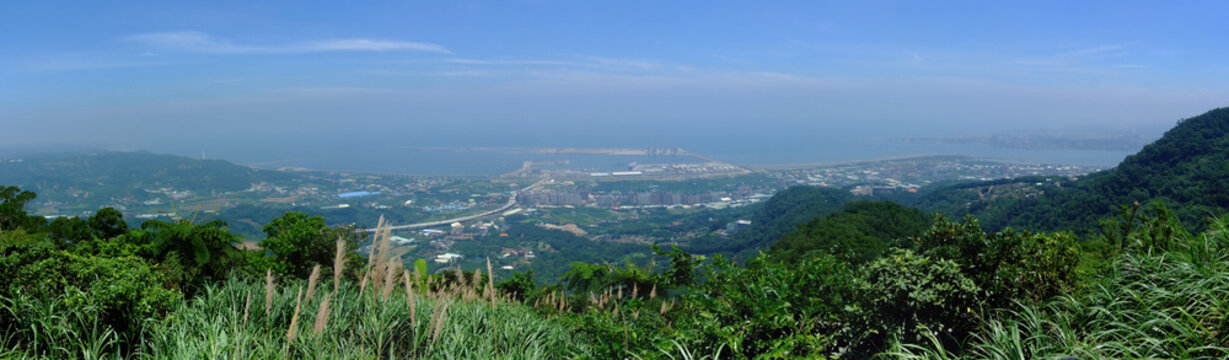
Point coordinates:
[(250, 75)]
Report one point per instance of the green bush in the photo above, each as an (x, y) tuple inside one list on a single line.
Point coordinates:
[(1007, 266), (904, 292), (768, 309), (53, 293), (1166, 302), (296, 242)]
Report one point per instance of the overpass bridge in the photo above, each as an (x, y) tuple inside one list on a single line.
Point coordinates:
[(511, 202)]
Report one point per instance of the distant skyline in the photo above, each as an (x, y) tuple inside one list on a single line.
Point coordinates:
[(249, 80)]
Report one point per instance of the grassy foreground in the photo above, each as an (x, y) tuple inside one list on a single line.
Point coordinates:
[(232, 320), (1166, 297)]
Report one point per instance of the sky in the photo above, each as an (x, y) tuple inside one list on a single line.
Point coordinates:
[(259, 80)]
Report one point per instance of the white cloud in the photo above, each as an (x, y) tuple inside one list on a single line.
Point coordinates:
[(369, 45), (510, 62), (1096, 50), (194, 41)]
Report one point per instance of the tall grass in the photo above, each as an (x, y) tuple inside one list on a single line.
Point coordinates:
[(358, 327), (368, 321), (1170, 302)]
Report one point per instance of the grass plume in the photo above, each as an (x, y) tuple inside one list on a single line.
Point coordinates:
[(293, 331), (311, 282), (322, 315), (268, 290), (339, 263), (490, 281)]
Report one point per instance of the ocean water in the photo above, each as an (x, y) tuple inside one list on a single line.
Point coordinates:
[(461, 161)]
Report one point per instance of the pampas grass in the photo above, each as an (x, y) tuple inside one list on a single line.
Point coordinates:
[(322, 315), (409, 298), (247, 305), (354, 326), (390, 278), (311, 282), (294, 319), (371, 255), (268, 290), (339, 263), (437, 321), (490, 281)]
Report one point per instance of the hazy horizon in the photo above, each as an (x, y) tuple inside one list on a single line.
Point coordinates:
[(747, 83)]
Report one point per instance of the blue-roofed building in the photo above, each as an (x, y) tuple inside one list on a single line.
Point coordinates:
[(356, 194)]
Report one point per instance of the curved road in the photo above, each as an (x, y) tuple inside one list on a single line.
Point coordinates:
[(509, 205)]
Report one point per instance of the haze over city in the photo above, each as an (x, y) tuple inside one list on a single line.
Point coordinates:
[(748, 83)]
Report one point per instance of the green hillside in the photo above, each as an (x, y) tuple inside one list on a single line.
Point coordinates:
[(1187, 169), (861, 232), (781, 214), (86, 181)]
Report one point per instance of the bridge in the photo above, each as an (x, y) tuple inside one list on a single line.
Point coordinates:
[(511, 202)]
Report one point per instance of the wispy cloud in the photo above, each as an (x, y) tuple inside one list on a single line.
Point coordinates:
[(511, 62), (1096, 58), (82, 64), (627, 64), (1096, 50), (194, 41)]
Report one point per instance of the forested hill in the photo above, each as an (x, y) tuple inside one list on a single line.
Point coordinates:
[(105, 175), (781, 214), (1187, 169)]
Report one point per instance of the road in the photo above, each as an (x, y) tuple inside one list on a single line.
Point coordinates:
[(511, 202)]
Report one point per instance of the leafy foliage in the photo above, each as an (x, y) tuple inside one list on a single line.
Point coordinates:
[(106, 223), (769, 310), (45, 283), (296, 242), (906, 292), (1006, 265), (859, 233), (12, 210), (1166, 301), (194, 254)]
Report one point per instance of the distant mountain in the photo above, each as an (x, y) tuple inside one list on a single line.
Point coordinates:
[(1044, 140), (104, 178), (1187, 169)]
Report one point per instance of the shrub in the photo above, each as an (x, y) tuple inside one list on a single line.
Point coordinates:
[(768, 309), (1007, 266), (54, 293), (904, 292)]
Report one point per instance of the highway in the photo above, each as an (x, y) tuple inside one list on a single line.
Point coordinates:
[(505, 207)]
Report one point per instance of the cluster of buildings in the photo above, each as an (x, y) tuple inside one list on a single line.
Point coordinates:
[(612, 199), (877, 177)]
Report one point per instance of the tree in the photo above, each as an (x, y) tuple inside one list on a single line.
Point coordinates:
[(295, 242), (194, 253), (519, 286), (583, 278), (682, 267), (12, 210), (904, 291), (769, 310), (68, 231), (106, 223), (1008, 265)]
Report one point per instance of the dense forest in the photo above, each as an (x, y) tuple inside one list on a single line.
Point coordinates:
[(1127, 263)]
